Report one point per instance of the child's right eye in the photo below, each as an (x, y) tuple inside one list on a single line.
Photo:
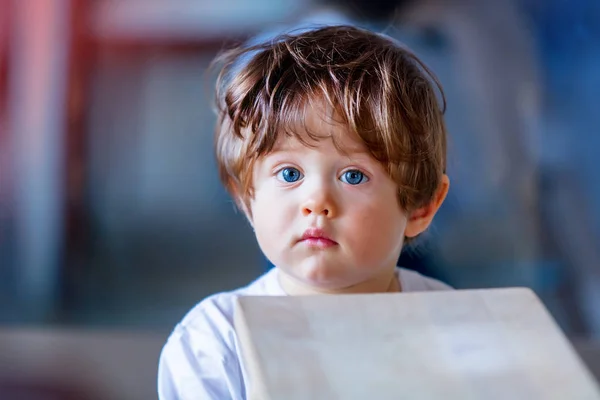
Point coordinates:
[(289, 175)]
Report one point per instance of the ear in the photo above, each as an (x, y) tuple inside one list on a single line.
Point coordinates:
[(420, 219)]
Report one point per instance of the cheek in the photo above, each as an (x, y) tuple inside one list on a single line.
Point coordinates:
[(378, 231), (270, 216)]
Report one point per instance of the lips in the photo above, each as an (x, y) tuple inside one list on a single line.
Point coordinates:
[(316, 237)]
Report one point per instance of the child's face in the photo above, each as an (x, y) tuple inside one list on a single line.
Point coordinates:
[(327, 219)]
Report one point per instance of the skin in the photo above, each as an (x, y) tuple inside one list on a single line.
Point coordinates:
[(342, 193)]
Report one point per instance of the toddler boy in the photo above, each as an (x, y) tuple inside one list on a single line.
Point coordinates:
[(332, 142)]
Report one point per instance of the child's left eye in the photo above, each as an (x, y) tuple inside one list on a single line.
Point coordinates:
[(353, 177)]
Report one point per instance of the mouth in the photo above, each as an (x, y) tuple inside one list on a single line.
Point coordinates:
[(315, 237)]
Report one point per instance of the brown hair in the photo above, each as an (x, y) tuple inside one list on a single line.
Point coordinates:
[(381, 91)]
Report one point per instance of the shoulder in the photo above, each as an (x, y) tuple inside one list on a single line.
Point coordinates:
[(200, 355), (412, 281), (214, 314)]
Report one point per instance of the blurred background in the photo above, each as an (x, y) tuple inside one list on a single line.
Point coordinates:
[(113, 223)]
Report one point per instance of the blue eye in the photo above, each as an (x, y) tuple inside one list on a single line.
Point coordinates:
[(289, 175), (353, 177)]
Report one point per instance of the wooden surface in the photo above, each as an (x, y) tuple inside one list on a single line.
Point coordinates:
[(470, 344)]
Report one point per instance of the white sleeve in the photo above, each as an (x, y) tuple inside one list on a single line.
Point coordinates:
[(196, 365)]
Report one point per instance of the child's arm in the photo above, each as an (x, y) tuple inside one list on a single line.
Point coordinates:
[(194, 364)]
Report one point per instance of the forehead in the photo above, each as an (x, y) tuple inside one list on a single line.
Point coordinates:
[(319, 123)]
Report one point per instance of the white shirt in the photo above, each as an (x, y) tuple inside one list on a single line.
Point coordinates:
[(200, 358)]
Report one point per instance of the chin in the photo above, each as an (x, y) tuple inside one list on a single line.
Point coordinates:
[(324, 276)]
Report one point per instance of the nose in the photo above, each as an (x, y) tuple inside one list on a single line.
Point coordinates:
[(319, 202)]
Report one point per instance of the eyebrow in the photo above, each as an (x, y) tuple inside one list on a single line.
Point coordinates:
[(286, 147), (350, 150)]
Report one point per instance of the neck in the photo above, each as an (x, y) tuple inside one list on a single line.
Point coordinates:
[(383, 283)]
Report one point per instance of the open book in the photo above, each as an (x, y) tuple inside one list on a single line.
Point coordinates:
[(464, 344)]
